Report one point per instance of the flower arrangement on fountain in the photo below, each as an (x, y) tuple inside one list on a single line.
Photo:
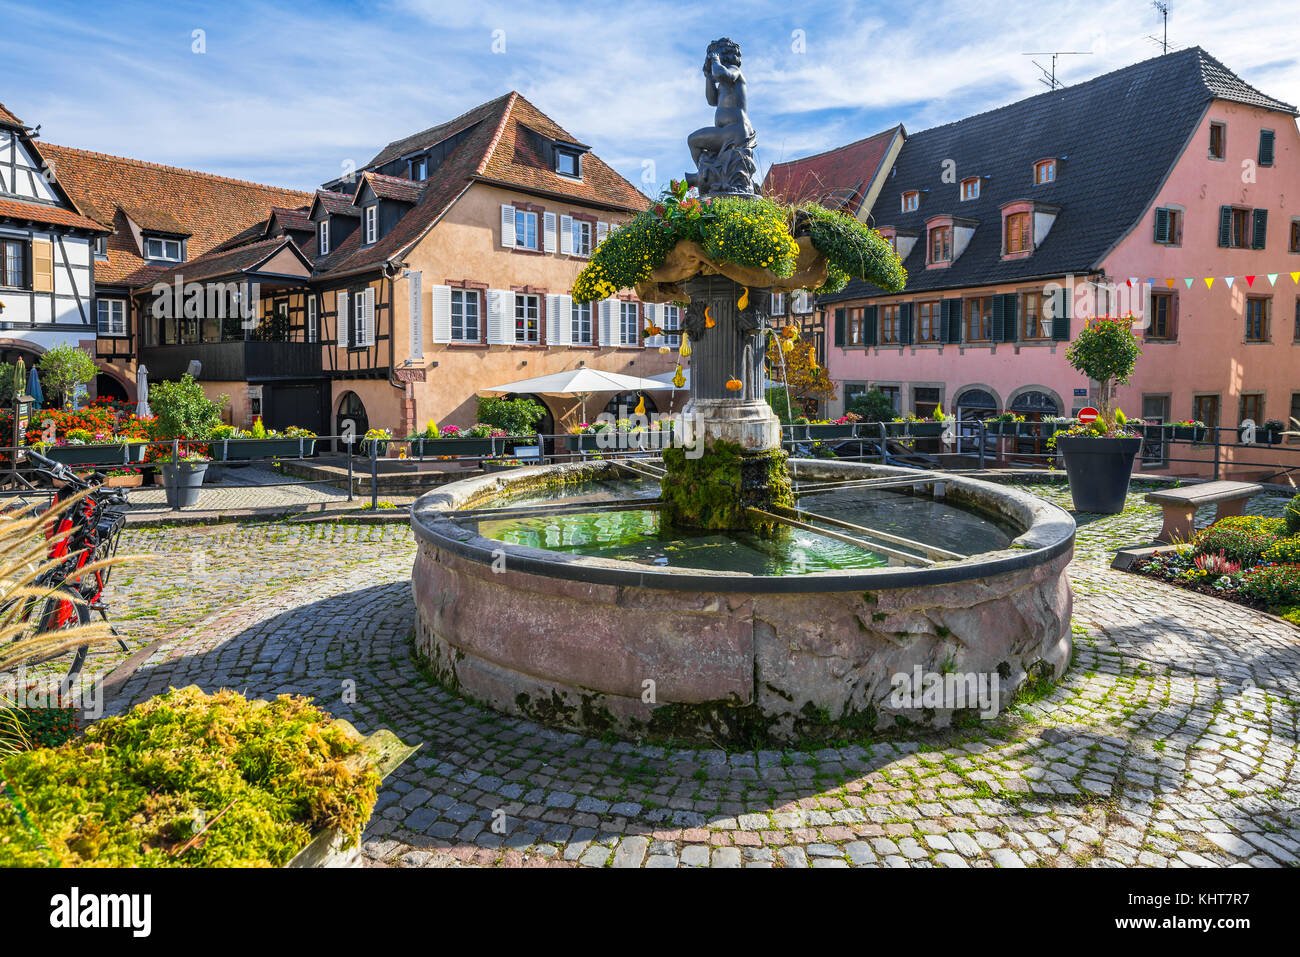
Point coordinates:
[(753, 241)]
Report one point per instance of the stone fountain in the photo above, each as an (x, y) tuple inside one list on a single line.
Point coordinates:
[(556, 593)]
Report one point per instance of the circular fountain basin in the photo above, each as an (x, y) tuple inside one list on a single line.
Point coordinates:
[(641, 645)]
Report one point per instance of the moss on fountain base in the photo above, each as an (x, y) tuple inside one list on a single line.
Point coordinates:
[(716, 490)]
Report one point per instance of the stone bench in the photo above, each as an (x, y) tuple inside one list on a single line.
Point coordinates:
[(1180, 505)]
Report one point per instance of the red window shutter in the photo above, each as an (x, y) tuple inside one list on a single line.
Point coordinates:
[(1173, 316)]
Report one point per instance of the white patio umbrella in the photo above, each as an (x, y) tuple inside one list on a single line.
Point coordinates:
[(580, 382), (142, 391)]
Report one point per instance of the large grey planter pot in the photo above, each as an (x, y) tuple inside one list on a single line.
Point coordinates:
[(182, 482), (1099, 471)]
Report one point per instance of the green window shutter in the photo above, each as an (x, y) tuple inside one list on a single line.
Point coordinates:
[(1011, 312), (1261, 228), (1225, 226), (870, 322), (905, 321), (1061, 316), (1265, 147), (1162, 225), (999, 319), (839, 327), (951, 316)]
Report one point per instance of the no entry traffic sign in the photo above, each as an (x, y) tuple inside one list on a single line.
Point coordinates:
[(1088, 416)]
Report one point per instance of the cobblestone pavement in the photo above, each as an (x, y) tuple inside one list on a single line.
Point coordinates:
[(241, 488), (1172, 741)]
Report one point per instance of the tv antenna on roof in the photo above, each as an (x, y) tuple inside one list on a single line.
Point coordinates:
[(1163, 9), (1049, 76)]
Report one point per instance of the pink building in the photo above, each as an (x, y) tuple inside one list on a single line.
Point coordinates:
[(1160, 190)]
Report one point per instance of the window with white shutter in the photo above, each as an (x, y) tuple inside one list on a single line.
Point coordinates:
[(553, 320), (566, 235), (548, 232), (341, 318), (609, 322), (417, 314), (629, 333), (501, 316), (442, 314), (370, 316), (508, 226), (466, 315), (313, 319), (602, 231)]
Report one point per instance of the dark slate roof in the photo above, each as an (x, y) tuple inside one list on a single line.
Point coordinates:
[(336, 204), (1116, 138), (229, 262)]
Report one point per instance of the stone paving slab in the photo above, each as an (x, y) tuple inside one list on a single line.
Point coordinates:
[(1171, 741)]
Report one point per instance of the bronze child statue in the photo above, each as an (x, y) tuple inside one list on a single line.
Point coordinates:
[(724, 152)]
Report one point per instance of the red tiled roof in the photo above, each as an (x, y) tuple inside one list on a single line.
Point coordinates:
[(336, 204), (226, 262), (495, 150), (839, 178), (208, 209), (8, 119), (293, 218), (49, 215), (391, 187)]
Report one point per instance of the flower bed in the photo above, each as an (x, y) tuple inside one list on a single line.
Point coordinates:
[(1247, 559), (188, 779)]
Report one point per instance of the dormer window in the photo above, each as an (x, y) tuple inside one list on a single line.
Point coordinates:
[(101, 247), (1044, 172), (1017, 237), (911, 200), (970, 188), (420, 168), (941, 244), (161, 248), (370, 219), (323, 233), (568, 163)]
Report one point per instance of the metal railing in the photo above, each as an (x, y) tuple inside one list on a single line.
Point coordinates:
[(911, 444)]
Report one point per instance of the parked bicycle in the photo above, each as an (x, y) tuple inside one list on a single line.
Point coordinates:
[(80, 536)]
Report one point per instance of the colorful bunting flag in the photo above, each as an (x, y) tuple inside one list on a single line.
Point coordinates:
[(1189, 280), (1250, 281), (1295, 278), (1272, 279), (1170, 283), (1228, 280), (1209, 282)]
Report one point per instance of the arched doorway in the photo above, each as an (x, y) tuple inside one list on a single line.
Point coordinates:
[(976, 404), (1034, 405), (623, 405), (350, 419), (107, 387)]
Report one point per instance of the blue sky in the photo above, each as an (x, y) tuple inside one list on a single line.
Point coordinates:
[(289, 93)]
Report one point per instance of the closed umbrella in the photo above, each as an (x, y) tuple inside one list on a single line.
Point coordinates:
[(142, 392), (34, 388)]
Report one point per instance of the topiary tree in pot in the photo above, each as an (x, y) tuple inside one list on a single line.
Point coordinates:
[(1099, 456)]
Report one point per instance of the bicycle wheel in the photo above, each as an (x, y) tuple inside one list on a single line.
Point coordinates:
[(60, 610)]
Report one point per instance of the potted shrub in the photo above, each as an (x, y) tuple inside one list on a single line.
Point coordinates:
[(584, 437), (183, 476), (1099, 457)]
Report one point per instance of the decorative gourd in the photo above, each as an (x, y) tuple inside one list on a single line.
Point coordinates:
[(679, 380), (734, 384), (685, 350), (640, 406), (743, 301), (709, 321)]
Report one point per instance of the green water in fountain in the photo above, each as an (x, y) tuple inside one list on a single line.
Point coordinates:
[(635, 535)]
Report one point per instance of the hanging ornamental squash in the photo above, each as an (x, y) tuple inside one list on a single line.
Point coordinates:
[(743, 301), (709, 321), (685, 350), (734, 384), (640, 406), (679, 380)]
